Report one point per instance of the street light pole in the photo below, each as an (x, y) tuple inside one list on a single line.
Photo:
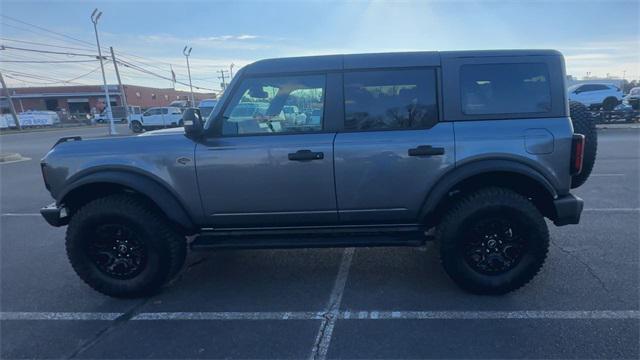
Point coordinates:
[(186, 55), (95, 16)]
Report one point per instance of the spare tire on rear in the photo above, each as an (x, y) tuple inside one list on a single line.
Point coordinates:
[(583, 124)]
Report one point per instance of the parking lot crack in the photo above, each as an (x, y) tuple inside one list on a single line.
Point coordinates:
[(118, 322), (590, 269)]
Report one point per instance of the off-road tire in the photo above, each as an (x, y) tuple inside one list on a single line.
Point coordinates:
[(479, 206), (584, 124), (165, 248), (136, 126)]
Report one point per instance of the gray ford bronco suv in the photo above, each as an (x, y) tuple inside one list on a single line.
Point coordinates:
[(471, 149)]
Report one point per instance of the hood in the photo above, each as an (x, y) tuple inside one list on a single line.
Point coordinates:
[(170, 131)]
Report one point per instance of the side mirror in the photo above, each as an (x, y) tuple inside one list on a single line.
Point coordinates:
[(192, 121)]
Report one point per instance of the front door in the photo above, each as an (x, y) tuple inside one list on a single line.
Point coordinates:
[(264, 170), (393, 148), (152, 117)]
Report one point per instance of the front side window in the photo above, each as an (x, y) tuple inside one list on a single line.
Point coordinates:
[(275, 105), (387, 100), (165, 111), (151, 112), (505, 89)]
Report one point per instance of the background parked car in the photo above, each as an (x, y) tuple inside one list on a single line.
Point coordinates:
[(119, 115), (158, 117), (633, 98), (206, 106), (596, 96)]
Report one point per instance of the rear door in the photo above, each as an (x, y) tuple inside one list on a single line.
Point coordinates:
[(263, 170), (392, 148)]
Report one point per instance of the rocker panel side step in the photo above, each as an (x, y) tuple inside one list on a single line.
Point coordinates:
[(309, 238)]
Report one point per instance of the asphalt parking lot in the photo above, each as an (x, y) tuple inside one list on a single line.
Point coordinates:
[(328, 303)]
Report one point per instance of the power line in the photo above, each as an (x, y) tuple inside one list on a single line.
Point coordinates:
[(43, 44), (46, 61), (39, 77), (35, 68), (3, 47), (87, 74), (49, 31), (131, 63)]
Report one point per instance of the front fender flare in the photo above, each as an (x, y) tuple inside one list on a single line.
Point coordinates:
[(158, 193)]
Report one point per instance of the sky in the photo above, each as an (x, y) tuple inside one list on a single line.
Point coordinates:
[(597, 38)]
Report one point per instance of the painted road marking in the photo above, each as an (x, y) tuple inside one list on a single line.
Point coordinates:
[(341, 315), (329, 318), (19, 214), (14, 161), (613, 209)]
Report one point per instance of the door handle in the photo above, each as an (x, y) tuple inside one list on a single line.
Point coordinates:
[(306, 155), (426, 150)]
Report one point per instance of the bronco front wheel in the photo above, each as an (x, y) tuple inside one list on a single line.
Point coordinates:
[(493, 241), (120, 247)]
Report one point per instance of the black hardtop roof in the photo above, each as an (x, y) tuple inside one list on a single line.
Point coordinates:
[(377, 60)]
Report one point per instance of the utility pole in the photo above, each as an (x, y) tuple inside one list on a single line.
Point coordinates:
[(231, 71), (186, 55), (94, 19), (13, 109), (123, 96), (221, 77), (173, 77)]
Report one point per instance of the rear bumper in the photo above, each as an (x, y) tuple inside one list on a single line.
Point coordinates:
[(54, 215), (568, 209)]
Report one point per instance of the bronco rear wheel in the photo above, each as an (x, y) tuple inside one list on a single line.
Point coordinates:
[(493, 241), (120, 247)]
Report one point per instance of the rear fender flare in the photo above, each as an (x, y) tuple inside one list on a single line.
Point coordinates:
[(459, 174)]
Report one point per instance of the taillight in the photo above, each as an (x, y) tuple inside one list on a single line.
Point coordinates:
[(577, 153), (43, 167)]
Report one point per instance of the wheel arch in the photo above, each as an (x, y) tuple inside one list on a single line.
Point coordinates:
[(103, 182), (514, 175)]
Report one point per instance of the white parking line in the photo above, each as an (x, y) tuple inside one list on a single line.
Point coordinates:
[(613, 209), (14, 161), (492, 315), (339, 315), (288, 315), (58, 316), (20, 214), (329, 318)]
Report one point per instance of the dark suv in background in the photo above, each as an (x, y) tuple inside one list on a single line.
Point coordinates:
[(473, 149)]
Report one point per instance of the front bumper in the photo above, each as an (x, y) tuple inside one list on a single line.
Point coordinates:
[(568, 209), (54, 215)]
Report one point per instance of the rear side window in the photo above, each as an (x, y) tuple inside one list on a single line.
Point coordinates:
[(391, 99), (505, 88)]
